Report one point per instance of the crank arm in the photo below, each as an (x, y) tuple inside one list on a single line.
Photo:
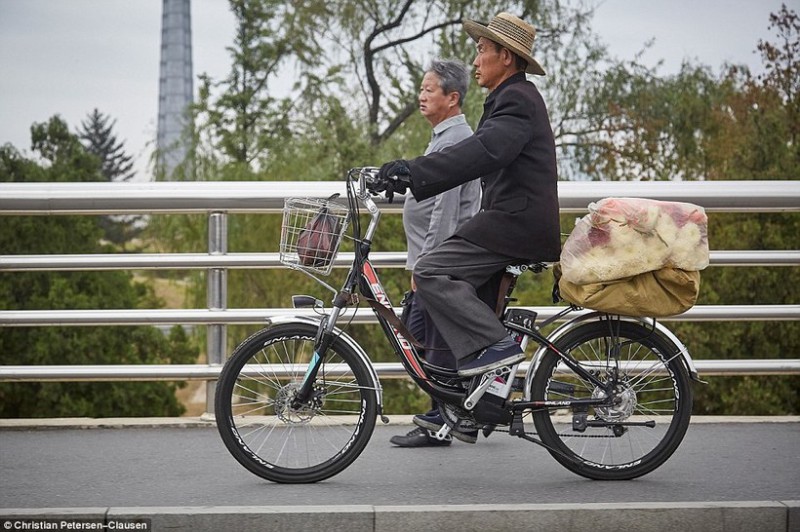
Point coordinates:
[(486, 380)]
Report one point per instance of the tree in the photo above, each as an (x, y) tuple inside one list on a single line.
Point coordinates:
[(64, 159), (241, 116), (387, 45), (97, 136), (353, 105), (750, 132)]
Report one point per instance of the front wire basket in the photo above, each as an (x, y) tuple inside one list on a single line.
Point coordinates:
[(311, 233)]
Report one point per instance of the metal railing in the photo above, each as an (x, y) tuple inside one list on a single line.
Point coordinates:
[(218, 199)]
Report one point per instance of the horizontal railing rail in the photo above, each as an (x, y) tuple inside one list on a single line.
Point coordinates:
[(218, 199), (388, 370), (380, 259), (268, 196), (244, 316)]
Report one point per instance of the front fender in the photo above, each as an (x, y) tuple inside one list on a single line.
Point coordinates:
[(580, 320), (347, 339)]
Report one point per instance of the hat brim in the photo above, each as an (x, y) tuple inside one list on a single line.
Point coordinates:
[(476, 30)]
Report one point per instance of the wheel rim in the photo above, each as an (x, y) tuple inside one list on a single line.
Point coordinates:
[(646, 390), (280, 436)]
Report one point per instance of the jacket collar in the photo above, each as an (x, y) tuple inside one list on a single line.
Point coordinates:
[(516, 78), (444, 125)]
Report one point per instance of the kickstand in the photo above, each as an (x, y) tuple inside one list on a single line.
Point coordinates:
[(517, 425)]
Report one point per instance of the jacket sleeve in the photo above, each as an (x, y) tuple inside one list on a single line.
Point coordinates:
[(499, 140)]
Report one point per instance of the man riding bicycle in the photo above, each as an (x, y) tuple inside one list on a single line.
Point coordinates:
[(513, 152)]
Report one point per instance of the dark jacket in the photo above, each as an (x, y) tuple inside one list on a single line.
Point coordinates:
[(513, 152)]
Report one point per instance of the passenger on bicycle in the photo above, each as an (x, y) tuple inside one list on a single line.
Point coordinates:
[(513, 152), (429, 222)]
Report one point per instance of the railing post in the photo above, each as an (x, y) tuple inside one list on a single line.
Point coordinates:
[(217, 298)]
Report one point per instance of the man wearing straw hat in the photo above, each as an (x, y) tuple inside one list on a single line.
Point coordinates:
[(513, 153)]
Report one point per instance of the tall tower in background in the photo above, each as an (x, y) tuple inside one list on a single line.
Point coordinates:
[(175, 83)]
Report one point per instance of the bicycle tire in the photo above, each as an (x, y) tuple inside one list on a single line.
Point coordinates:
[(277, 442), (655, 387)]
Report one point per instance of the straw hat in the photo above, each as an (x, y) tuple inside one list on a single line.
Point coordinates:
[(512, 32)]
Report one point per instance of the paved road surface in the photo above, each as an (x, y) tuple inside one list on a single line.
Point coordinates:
[(190, 467)]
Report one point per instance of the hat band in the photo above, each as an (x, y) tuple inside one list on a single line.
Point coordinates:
[(508, 29)]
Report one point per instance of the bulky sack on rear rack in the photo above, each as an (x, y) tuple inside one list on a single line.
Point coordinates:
[(656, 294), (635, 257), (622, 237)]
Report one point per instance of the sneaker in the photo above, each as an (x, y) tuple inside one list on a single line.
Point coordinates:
[(433, 421), (420, 437), (503, 353)]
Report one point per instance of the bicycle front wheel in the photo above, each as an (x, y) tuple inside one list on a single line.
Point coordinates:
[(283, 442), (650, 411)]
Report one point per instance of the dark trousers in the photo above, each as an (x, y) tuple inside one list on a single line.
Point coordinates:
[(421, 325), (450, 281)]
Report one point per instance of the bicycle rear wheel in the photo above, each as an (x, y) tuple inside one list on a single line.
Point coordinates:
[(282, 443), (654, 401)]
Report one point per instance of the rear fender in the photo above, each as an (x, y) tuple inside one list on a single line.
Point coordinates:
[(591, 316)]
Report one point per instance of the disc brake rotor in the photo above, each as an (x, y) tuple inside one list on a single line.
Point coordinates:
[(625, 403), (302, 415)]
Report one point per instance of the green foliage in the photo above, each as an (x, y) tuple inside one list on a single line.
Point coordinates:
[(97, 136), (751, 339), (246, 119), (64, 159), (695, 125), (750, 395), (355, 102), (754, 128)]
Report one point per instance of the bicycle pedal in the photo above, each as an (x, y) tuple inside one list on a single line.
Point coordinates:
[(443, 432)]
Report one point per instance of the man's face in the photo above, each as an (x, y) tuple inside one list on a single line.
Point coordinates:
[(434, 104), (489, 68)]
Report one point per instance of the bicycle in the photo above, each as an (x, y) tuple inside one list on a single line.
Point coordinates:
[(609, 396)]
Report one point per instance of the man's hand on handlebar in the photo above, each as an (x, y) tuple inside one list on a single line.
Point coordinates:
[(393, 177)]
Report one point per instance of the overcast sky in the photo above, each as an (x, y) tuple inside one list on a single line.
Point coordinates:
[(68, 57)]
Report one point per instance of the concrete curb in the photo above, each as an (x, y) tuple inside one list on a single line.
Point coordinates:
[(208, 421), (727, 516)]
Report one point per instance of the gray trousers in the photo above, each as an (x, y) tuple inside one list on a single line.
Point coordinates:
[(448, 279)]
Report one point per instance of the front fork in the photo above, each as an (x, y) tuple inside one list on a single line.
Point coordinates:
[(323, 341)]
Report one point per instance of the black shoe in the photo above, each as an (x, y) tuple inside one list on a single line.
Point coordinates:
[(433, 422), (420, 437), (503, 353)]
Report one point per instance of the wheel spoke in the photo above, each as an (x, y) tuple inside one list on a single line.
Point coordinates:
[(646, 383), (278, 437)]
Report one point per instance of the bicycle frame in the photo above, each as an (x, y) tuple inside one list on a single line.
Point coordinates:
[(362, 275), (406, 352), (364, 278), (626, 385), (372, 287)]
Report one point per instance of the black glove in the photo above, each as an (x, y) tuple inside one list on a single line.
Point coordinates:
[(394, 177)]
